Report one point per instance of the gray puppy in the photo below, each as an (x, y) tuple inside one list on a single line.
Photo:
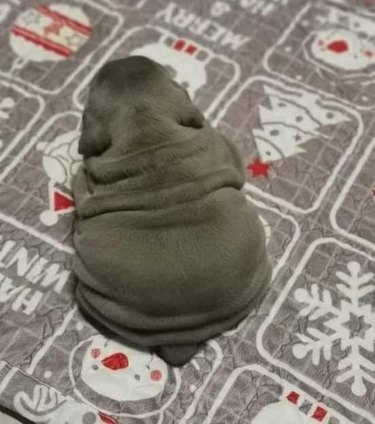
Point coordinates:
[(169, 251)]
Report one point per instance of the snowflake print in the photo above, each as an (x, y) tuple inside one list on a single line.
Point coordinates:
[(352, 325)]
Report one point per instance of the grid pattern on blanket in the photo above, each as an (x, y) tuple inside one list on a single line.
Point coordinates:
[(291, 82)]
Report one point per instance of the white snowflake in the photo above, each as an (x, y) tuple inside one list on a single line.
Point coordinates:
[(352, 325)]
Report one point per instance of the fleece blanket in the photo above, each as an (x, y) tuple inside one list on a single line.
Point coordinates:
[(292, 83)]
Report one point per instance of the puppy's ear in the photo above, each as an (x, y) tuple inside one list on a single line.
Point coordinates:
[(94, 138), (191, 117)]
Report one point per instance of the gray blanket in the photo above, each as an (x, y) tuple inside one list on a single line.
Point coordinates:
[(291, 83)]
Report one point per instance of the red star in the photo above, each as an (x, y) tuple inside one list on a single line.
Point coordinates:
[(258, 168)]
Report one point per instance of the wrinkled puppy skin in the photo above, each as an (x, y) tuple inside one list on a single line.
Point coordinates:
[(169, 251)]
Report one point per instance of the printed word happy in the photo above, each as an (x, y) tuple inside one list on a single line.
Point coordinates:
[(206, 28), (25, 277)]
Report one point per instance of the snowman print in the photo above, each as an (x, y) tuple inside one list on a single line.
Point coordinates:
[(343, 49), (184, 60), (122, 373), (344, 42), (61, 161)]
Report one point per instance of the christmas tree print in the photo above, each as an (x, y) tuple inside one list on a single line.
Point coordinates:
[(290, 121), (351, 323)]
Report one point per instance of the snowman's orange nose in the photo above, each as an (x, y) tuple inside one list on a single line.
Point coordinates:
[(338, 46), (117, 361)]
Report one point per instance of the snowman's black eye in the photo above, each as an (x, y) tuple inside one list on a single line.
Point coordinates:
[(137, 377), (95, 367)]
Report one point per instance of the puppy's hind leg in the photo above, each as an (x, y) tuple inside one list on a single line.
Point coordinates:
[(177, 355)]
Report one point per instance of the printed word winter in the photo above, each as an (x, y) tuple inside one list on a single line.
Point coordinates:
[(206, 28), (19, 269)]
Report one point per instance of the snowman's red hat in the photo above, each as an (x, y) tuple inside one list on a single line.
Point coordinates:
[(59, 203)]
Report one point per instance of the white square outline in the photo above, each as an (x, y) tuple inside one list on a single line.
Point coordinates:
[(162, 31), (344, 192), (220, 398), (275, 309), (26, 149), (328, 101), (83, 63), (282, 39), (18, 137)]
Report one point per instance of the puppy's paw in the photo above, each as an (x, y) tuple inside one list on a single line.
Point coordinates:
[(177, 355)]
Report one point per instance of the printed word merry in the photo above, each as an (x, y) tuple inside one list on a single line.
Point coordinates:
[(19, 270), (206, 28)]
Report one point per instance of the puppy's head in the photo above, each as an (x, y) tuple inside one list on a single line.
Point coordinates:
[(125, 91)]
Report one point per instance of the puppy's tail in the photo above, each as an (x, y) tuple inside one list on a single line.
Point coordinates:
[(177, 355)]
